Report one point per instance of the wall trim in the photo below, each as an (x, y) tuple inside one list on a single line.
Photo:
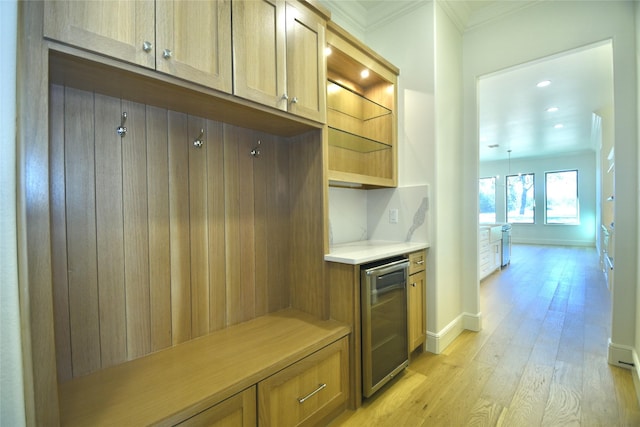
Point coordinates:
[(622, 356), (553, 242), (635, 375), (472, 322), (438, 341), (623, 353)]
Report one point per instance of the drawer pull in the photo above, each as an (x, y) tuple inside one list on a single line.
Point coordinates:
[(420, 262), (320, 387)]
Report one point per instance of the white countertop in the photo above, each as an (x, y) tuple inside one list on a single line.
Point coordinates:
[(370, 250)]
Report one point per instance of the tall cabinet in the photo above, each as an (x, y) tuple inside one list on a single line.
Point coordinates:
[(197, 211)]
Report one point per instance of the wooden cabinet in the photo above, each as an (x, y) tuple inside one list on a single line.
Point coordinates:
[(489, 257), (236, 411), (361, 113), (279, 56), (417, 300), (307, 392), (193, 41), (120, 29), (187, 39)]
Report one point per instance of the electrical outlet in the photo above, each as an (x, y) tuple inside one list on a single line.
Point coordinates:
[(393, 216)]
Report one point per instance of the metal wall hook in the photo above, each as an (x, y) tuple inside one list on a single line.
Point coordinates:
[(256, 150), (198, 141), (121, 130)]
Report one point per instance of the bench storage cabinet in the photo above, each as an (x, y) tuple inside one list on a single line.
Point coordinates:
[(308, 391), (214, 377), (236, 411)]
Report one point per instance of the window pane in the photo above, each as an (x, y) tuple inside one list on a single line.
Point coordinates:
[(562, 197), (487, 200), (520, 199)]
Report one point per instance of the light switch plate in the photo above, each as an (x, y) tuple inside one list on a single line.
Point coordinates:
[(393, 216)]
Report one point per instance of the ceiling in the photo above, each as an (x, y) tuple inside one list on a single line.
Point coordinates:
[(512, 110)]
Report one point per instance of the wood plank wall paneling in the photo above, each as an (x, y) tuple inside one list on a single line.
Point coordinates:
[(156, 242), (159, 233), (307, 216)]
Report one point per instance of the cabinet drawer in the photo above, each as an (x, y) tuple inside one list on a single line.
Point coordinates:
[(236, 411), (308, 391), (417, 261)]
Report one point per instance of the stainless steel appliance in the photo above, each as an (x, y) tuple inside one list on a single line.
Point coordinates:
[(506, 245), (384, 322)]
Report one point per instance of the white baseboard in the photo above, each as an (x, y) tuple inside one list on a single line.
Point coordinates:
[(622, 356), (472, 322), (552, 242), (438, 341), (635, 374)]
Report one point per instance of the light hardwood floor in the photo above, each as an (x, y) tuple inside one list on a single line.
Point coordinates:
[(540, 360)]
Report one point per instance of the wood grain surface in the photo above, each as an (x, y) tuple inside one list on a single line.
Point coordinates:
[(540, 360)]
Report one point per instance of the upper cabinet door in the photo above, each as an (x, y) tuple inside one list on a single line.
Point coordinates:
[(121, 29), (306, 64), (259, 51), (193, 41)]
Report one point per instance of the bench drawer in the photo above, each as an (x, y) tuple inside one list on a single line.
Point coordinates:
[(307, 392)]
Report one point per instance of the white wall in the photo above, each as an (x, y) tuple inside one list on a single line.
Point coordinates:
[(637, 322), (448, 199), (545, 29), (430, 139), (12, 407), (540, 233)]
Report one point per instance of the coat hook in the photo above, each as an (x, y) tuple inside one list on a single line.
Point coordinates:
[(198, 141), (256, 150), (121, 130)]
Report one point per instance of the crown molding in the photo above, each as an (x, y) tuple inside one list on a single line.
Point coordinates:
[(388, 11), (458, 11), (351, 15), (496, 10)]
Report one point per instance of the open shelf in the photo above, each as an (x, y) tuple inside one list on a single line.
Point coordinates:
[(350, 141), (346, 101)]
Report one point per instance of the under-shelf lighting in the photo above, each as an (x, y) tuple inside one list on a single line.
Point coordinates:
[(364, 73), (327, 51)]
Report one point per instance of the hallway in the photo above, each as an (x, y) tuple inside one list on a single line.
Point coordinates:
[(540, 360)]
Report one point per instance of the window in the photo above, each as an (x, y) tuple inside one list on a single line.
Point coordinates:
[(520, 199), (487, 200), (561, 197)]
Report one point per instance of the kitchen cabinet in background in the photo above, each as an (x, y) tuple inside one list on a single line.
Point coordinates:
[(417, 288), (489, 258), (174, 43)]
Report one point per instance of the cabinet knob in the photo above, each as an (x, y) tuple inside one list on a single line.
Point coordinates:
[(147, 46), (413, 284), (294, 100), (166, 54)]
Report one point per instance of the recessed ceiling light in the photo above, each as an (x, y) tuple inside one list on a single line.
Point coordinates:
[(559, 126), (544, 83), (552, 109), (364, 73)]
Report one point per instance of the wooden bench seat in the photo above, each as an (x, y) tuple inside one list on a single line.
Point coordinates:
[(174, 384)]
